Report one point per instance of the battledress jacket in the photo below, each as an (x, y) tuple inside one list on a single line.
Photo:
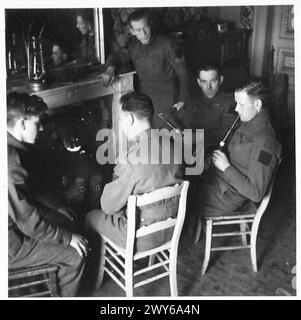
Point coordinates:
[(214, 115), (132, 178), (26, 216), (253, 152)]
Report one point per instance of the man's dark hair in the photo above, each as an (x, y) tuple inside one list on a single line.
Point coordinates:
[(256, 90), (209, 67), (139, 104), (23, 105), (138, 15)]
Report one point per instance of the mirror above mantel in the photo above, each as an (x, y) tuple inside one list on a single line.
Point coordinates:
[(48, 41)]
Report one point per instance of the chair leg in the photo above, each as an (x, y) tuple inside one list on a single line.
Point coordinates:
[(207, 245), (101, 267), (244, 228), (198, 231), (253, 246), (129, 278), (151, 260), (173, 275), (53, 284)]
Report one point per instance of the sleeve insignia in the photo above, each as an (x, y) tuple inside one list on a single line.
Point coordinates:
[(265, 157)]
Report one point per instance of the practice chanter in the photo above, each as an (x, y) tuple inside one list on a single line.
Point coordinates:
[(223, 141)]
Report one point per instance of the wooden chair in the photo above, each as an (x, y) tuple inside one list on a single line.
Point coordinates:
[(38, 281), (118, 262), (248, 218)]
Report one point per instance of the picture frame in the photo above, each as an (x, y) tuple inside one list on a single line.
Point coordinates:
[(287, 21), (286, 61)]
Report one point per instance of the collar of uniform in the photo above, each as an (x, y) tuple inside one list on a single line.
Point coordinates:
[(16, 143), (259, 119), (214, 100)]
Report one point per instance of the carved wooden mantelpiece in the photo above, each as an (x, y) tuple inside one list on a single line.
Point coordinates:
[(86, 90)]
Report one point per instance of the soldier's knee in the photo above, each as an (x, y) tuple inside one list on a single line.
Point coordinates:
[(77, 261), (72, 258)]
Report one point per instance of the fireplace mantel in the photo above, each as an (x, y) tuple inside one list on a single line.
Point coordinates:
[(80, 91)]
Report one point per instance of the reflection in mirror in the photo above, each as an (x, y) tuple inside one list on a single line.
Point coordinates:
[(43, 41)]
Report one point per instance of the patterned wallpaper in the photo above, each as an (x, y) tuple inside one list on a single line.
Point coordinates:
[(161, 17)]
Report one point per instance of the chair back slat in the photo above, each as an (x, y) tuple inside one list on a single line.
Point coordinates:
[(135, 201), (161, 225), (158, 195)]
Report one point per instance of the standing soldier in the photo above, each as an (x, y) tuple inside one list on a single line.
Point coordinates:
[(160, 66)]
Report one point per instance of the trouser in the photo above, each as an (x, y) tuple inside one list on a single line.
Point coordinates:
[(212, 199), (114, 227), (70, 264)]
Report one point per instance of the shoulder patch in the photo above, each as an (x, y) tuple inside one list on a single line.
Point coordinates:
[(265, 157)]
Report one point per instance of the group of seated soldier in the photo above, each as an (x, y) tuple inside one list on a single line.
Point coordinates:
[(45, 228), (42, 228)]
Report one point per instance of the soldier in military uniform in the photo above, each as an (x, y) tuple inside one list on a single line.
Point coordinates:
[(160, 66), (86, 51), (243, 172), (131, 178), (38, 228), (211, 109)]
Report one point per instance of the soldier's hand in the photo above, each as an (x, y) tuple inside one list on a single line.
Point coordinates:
[(108, 76), (179, 105), (75, 193), (80, 244), (220, 160), (67, 212), (81, 185)]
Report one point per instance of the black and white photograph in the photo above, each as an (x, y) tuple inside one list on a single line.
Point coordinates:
[(149, 151)]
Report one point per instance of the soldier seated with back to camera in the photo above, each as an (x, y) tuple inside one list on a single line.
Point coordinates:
[(138, 177)]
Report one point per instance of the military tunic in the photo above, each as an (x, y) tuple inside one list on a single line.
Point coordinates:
[(253, 152), (34, 238), (162, 73), (130, 178), (214, 115)]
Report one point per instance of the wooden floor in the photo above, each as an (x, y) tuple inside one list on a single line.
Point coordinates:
[(230, 273)]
